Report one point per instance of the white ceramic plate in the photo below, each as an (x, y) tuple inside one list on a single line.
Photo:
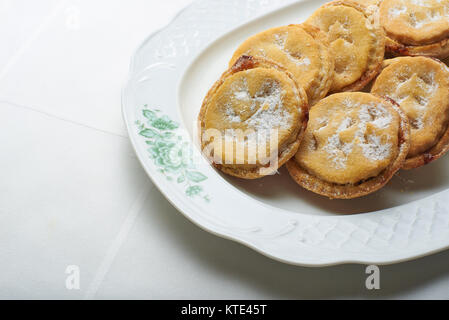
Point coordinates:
[(170, 75)]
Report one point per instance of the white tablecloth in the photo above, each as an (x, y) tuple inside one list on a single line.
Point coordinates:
[(72, 192)]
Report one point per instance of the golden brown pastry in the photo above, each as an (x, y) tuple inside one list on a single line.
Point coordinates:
[(421, 87), (357, 42), (416, 27), (354, 143), (301, 49), (252, 98)]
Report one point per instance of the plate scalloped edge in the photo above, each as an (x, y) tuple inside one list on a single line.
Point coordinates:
[(155, 130)]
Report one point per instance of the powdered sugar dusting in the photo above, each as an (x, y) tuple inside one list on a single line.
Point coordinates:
[(397, 11), (419, 13), (419, 103), (268, 100), (280, 39), (271, 113), (240, 93), (372, 147), (376, 114), (322, 122), (432, 13), (337, 150), (299, 62), (230, 113), (422, 3)]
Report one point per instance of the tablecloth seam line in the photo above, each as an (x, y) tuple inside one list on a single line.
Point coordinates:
[(118, 241), (4, 101)]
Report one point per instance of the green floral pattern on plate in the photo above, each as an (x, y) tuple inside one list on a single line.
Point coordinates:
[(170, 152)]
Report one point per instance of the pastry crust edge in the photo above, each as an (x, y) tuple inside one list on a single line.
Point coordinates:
[(438, 49)]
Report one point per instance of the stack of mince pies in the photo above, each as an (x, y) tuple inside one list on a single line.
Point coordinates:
[(345, 100)]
